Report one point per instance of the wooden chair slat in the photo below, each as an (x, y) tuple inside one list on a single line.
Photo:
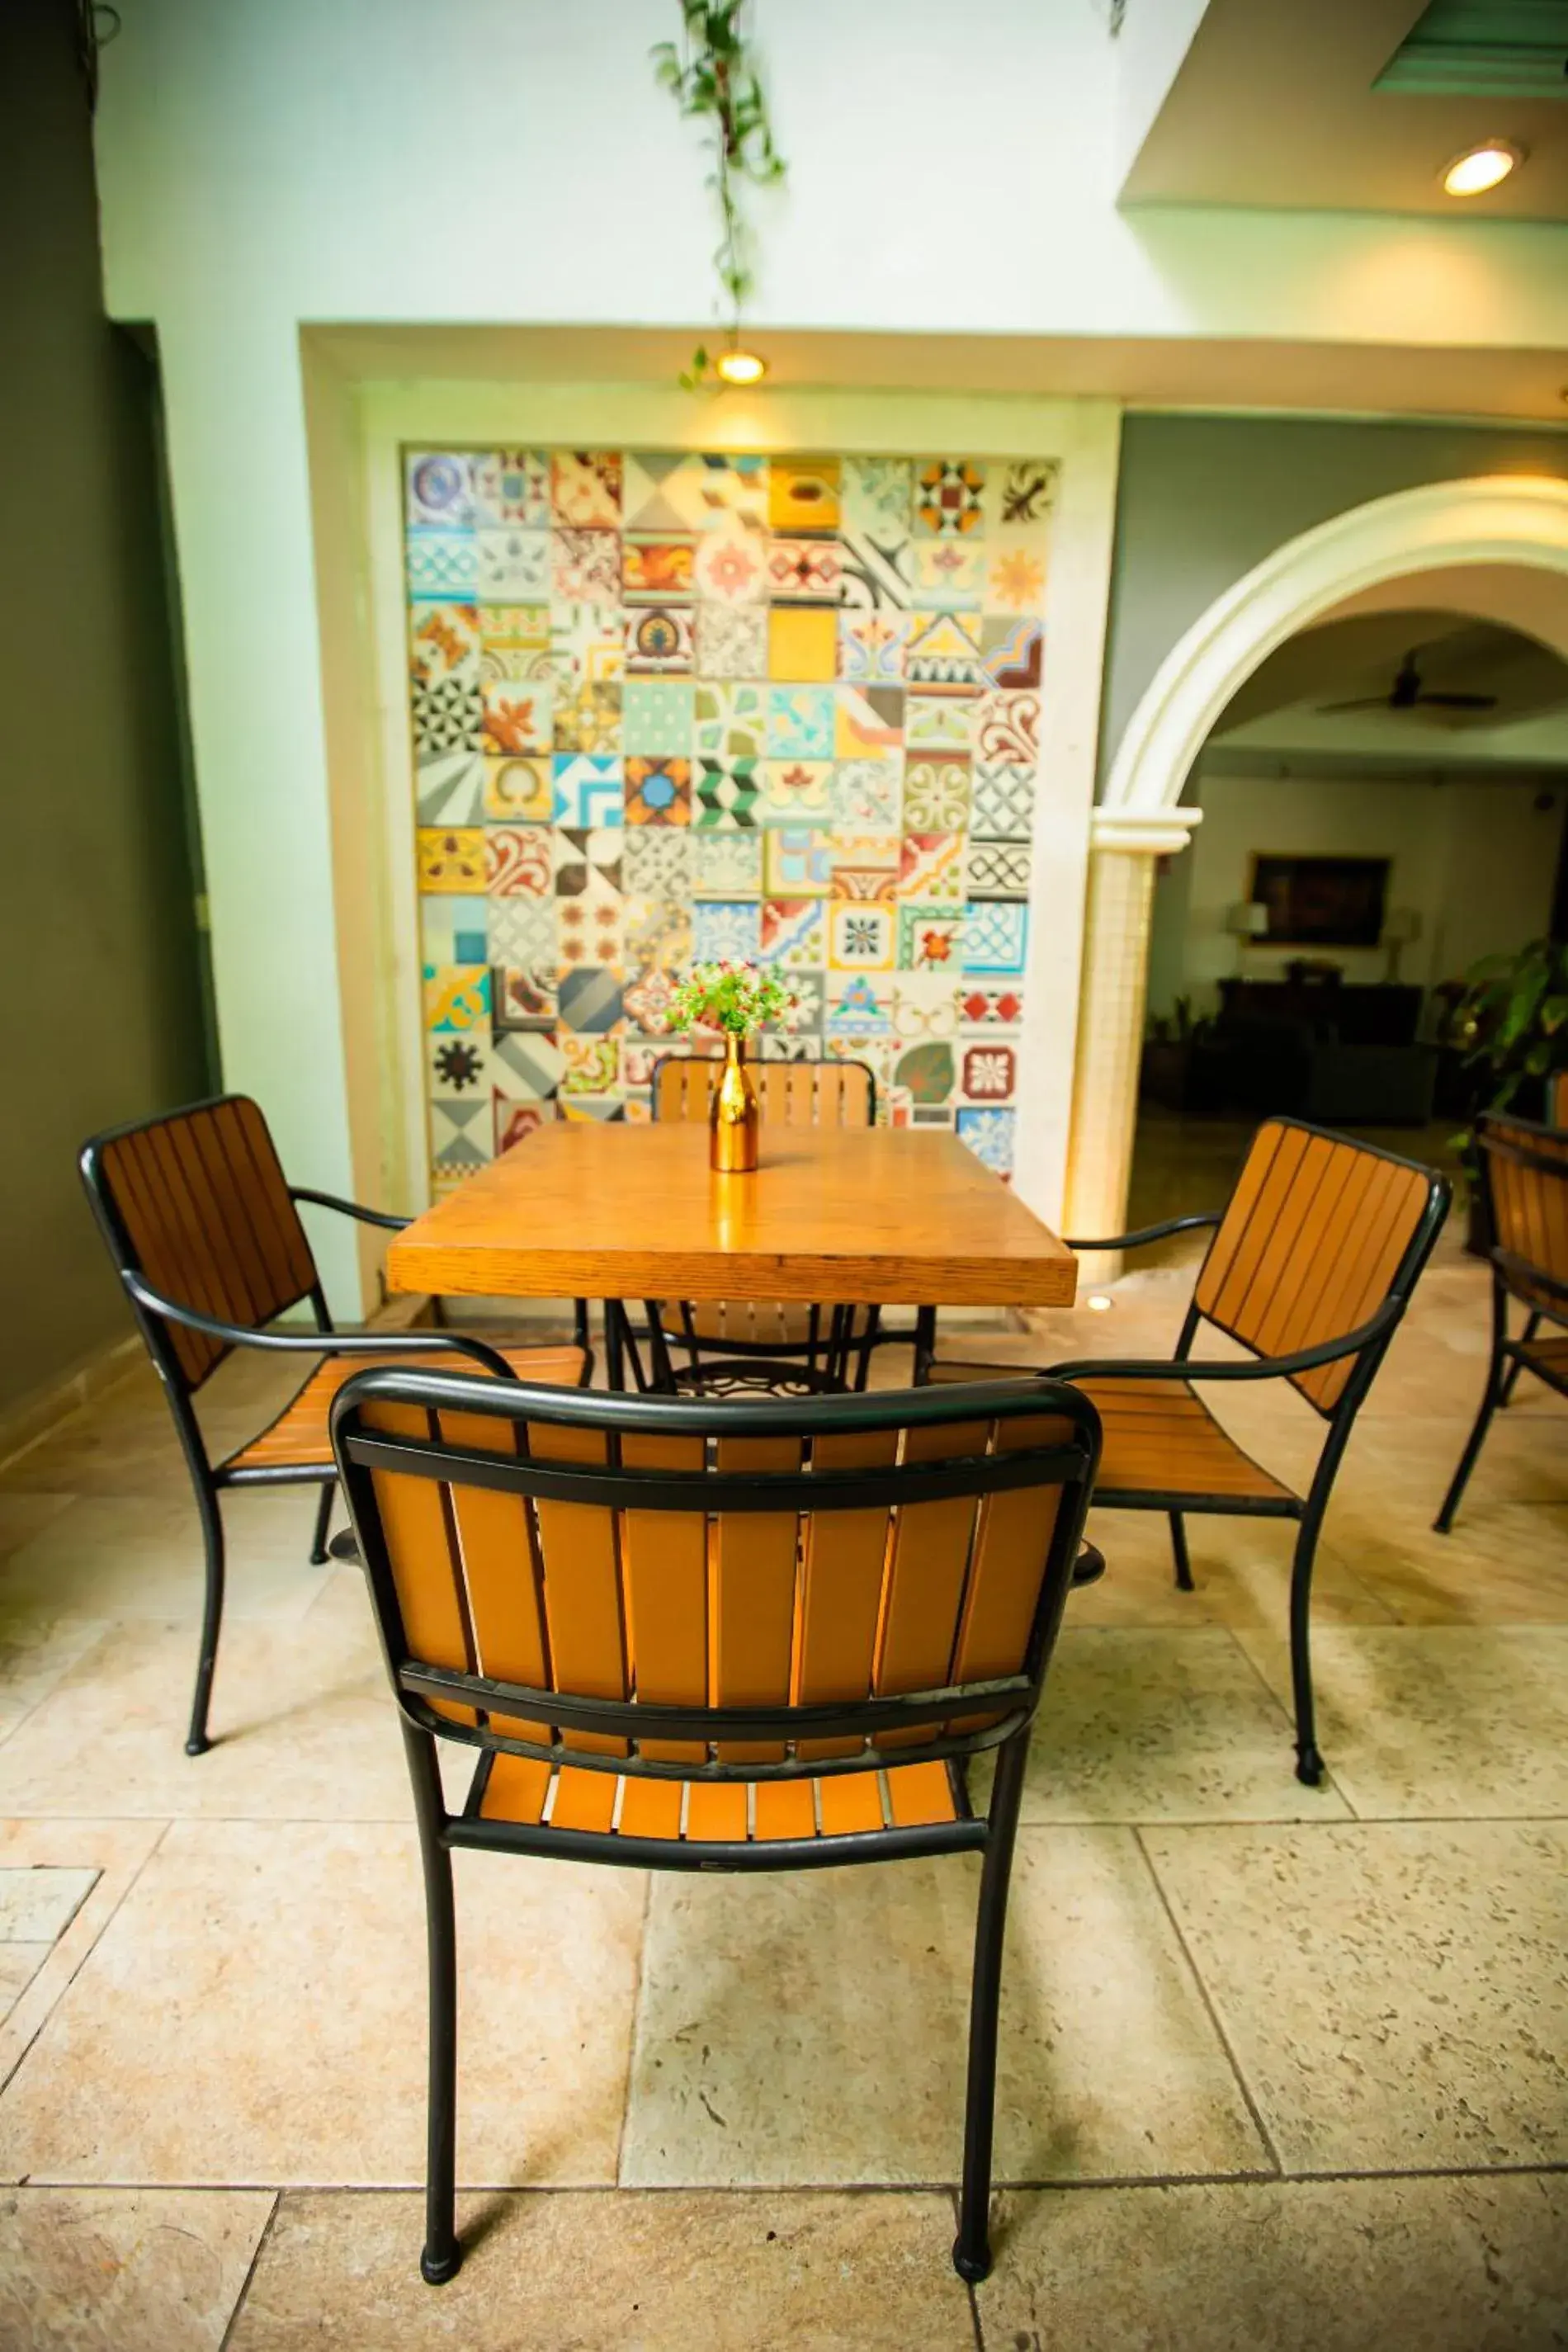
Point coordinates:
[(665, 1567), (582, 1583), (751, 1616), (425, 1574), (850, 1801), (716, 1809), (918, 1793), (784, 1809), (650, 1808), (583, 1799), (516, 1789), (1012, 1543), (844, 1567), (500, 1570), (927, 1569)]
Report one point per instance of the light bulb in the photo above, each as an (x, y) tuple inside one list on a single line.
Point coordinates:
[(741, 367), (1483, 167)]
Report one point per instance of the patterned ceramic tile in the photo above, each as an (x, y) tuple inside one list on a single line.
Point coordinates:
[(926, 1072), (942, 656), (525, 996), (513, 566), (512, 486), (589, 719), (858, 1004), (802, 642), (450, 791), (949, 574), (726, 926), (587, 642), (984, 1006), (1003, 802), (936, 792), (447, 712), (1010, 652), (990, 1135), (727, 793), (809, 990), (947, 499), (794, 934), (658, 570), (866, 866), (658, 715), (457, 1066), (795, 792), (437, 490), (442, 564), (659, 640), (1007, 729), (518, 717), (800, 722), (997, 869), (878, 570), (656, 931), (456, 996), (868, 722), (443, 638), (586, 569), (1020, 493), (726, 864), (586, 488), (588, 863), (939, 722), (516, 1120), (861, 937), (930, 872), (587, 789), (926, 1004), (804, 494), (996, 937), (590, 996), (930, 938), (797, 862), (877, 495), (804, 571), (592, 1065), (659, 792), (731, 566), (522, 790), (649, 998), (519, 861), (462, 1137), (690, 490), (589, 929), (515, 643), (989, 1072), (526, 1068), (1014, 576), (454, 929), (522, 932), (870, 645), (731, 718), (868, 795), (657, 862), (450, 860), (731, 641)]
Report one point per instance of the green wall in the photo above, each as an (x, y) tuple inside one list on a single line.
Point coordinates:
[(1201, 500), (99, 965)]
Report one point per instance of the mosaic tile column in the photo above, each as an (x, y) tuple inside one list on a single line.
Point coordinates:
[(1110, 1049), (671, 706)]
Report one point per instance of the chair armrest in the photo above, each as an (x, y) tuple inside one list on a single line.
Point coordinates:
[(1257, 1368), (318, 1343), (349, 1208), (1145, 1234)]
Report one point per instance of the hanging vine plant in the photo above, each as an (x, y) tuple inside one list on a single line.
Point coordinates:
[(713, 77)]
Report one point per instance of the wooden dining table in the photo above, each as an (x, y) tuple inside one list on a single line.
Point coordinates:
[(585, 1208)]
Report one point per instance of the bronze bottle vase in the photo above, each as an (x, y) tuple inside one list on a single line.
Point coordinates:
[(733, 1115)]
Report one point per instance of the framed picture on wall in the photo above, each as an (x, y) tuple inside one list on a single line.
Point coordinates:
[(1321, 902)]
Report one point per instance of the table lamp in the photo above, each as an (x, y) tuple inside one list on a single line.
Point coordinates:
[(1401, 927), (1248, 919)]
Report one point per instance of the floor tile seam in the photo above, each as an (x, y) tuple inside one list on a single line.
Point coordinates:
[(632, 2037), (1243, 2085), (262, 2235), (132, 1879)]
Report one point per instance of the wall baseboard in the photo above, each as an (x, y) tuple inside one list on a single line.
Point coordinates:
[(37, 1415)]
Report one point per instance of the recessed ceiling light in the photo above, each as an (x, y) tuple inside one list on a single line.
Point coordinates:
[(1483, 167), (737, 366)]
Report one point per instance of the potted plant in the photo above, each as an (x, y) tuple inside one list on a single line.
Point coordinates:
[(1511, 1026), (735, 999)]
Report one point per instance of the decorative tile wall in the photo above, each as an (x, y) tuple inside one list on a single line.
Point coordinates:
[(670, 706)]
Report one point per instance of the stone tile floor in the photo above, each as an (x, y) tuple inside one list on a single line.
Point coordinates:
[(1281, 2068)]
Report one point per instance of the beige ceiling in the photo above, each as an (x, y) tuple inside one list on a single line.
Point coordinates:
[(1343, 660), (1273, 105)]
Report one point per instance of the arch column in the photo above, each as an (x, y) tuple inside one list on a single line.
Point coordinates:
[(1123, 847)]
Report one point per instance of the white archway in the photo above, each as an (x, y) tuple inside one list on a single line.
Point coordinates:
[(1506, 523)]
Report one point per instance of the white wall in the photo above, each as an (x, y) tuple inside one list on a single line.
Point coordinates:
[(1476, 859)]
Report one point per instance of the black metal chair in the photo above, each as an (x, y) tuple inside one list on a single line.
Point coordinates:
[(204, 1231), (1523, 1177), (1311, 1268), (689, 1635)]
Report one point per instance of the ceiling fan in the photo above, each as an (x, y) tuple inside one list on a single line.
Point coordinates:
[(1407, 693)]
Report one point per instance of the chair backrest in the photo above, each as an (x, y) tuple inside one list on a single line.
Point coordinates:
[(1524, 1171), (197, 1203), (818, 1093), (1320, 1231), (752, 1589)]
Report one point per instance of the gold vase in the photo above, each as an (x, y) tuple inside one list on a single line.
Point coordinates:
[(733, 1117)]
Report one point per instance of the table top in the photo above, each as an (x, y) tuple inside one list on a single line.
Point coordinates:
[(860, 1215)]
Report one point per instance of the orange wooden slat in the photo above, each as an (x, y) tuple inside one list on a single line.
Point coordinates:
[(926, 1573), (785, 1808), (843, 1570), (850, 1801), (425, 1574), (650, 1808), (516, 1789), (665, 1566), (500, 1569), (1011, 1546), (582, 1584), (920, 1793), (752, 1612), (715, 1809), (583, 1799)]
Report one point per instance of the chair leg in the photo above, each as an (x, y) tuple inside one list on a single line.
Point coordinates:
[(971, 2248), (1308, 1763), (1511, 1378), (443, 2254), (925, 1345), (1495, 1394), (196, 1740), (318, 1554), (1179, 1548)]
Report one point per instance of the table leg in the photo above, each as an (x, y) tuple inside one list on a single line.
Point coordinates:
[(925, 1343), (614, 1353)]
